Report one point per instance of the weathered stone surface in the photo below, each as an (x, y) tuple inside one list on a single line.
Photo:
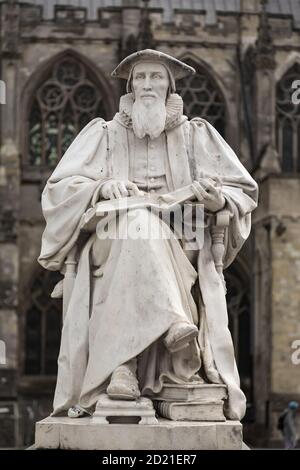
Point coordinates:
[(9, 334), (192, 402), (8, 275), (191, 411), (67, 433), (8, 423), (141, 410), (192, 392)]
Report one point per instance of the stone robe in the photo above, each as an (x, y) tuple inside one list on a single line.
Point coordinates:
[(127, 293)]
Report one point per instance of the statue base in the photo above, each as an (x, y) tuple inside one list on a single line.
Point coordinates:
[(139, 411), (87, 434), (195, 421)]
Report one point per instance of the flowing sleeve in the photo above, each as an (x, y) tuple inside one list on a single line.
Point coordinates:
[(68, 193), (213, 157)]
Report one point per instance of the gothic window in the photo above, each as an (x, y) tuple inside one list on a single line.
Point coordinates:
[(202, 97), (43, 326), (288, 122), (62, 106)]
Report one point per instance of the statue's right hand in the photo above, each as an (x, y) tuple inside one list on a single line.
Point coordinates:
[(115, 189)]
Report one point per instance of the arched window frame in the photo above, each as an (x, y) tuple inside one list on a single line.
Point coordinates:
[(41, 75), (230, 134), (288, 114)]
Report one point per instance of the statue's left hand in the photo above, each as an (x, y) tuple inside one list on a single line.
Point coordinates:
[(209, 194), (115, 189)]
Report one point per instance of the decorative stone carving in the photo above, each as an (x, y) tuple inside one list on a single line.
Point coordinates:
[(10, 29), (132, 325), (116, 411), (264, 48)]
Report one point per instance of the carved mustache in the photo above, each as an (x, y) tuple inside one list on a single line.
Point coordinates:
[(148, 95)]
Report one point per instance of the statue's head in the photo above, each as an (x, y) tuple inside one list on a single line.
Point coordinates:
[(151, 79)]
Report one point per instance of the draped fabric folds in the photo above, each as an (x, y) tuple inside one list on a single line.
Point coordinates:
[(99, 152)]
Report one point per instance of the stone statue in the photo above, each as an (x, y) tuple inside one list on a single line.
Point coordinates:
[(144, 313)]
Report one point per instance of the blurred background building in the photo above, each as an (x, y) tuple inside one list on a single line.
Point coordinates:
[(56, 60)]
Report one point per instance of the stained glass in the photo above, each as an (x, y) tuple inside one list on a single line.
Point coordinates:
[(64, 104), (43, 326), (202, 97)]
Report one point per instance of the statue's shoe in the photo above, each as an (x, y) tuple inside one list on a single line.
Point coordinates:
[(77, 411), (123, 384), (179, 336)]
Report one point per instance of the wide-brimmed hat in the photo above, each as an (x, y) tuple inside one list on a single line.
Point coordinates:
[(178, 68)]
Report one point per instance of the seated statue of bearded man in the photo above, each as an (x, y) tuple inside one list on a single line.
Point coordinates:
[(145, 312)]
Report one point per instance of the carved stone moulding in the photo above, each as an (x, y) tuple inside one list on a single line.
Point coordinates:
[(139, 411)]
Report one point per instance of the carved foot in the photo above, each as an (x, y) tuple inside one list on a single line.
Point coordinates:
[(77, 411), (124, 384)]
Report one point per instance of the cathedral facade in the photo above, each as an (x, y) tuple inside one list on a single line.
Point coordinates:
[(56, 62)]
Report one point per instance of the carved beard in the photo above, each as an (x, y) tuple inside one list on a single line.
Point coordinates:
[(148, 119)]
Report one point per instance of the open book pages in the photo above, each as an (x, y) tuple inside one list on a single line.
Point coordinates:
[(156, 201), (159, 201)]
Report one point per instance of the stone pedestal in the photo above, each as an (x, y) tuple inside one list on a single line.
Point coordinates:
[(86, 434), (139, 411), (195, 421)]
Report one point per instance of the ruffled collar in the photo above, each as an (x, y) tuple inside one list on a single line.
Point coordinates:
[(174, 107)]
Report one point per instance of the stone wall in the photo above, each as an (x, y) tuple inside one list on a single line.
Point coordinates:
[(278, 217)]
